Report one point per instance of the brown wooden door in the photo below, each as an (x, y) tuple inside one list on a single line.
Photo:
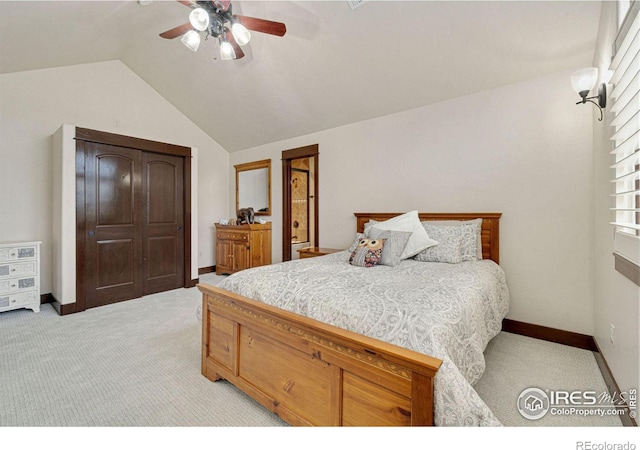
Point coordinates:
[(162, 222), (134, 218), (113, 246)]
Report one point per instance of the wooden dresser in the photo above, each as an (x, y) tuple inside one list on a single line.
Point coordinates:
[(240, 247)]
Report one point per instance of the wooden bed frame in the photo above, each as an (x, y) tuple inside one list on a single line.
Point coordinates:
[(312, 373)]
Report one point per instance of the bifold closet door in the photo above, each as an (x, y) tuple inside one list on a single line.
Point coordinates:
[(134, 221), (162, 222), (113, 214)]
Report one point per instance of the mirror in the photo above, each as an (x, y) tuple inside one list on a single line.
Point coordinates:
[(253, 186)]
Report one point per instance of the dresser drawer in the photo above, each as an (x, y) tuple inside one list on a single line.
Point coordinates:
[(19, 299), (8, 254), (230, 236), (18, 269), (18, 284)]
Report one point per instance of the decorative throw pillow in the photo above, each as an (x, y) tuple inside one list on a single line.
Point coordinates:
[(449, 248), (395, 242), (367, 253), (469, 231), (356, 241), (410, 222)]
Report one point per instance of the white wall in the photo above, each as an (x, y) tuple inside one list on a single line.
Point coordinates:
[(524, 150), (103, 96), (616, 299), (63, 217)]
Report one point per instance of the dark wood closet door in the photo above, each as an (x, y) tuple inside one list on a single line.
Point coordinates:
[(134, 221), (133, 218), (113, 212), (163, 222)]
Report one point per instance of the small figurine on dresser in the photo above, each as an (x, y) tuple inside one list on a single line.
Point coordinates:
[(245, 215)]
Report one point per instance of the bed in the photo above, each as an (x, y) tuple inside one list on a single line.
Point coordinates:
[(321, 342)]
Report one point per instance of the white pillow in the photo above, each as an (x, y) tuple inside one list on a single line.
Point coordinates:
[(410, 221)]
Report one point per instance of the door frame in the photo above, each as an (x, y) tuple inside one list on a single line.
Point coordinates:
[(288, 156), (101, 137)]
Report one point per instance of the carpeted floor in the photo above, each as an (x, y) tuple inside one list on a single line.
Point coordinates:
[(515, 363), (137, 364)]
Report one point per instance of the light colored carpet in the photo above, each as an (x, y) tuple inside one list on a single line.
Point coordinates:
[(515, 363), (137, 364)]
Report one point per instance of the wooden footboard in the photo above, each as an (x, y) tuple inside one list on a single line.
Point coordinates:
[(309, 372)]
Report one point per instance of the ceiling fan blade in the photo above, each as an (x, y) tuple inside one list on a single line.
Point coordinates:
[(234, 44), (262, 25), (177, 31), (188, 3), (223, 5)]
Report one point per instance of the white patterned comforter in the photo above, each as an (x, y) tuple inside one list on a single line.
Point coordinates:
[(450, 311)]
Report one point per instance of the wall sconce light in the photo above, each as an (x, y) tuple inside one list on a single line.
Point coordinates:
[(583, 81)]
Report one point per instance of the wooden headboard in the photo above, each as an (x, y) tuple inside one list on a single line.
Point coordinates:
[(490, 227)]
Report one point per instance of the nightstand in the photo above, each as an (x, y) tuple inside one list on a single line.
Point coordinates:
[(310, 252)]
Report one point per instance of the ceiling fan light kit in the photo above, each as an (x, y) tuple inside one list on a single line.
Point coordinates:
[(215, 18), (199, 19), (191, 40), (226, 50), (240, 33)]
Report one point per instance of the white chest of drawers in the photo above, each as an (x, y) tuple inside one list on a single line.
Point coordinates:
[(20, 276)]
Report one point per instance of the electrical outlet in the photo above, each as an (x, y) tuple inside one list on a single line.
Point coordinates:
[(612, 334)]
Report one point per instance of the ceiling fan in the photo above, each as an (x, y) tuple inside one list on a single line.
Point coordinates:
[(215, 18)]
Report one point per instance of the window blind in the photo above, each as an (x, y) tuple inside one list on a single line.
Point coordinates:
[(626, 142)]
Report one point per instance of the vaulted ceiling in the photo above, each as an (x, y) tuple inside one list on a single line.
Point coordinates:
[(334, 66)]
